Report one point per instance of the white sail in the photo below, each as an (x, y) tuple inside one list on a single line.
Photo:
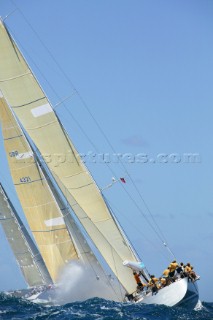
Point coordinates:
[(27, 255), (42, 212), (32, 108)]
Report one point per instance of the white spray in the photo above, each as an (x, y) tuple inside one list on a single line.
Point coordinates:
[(77, 284)]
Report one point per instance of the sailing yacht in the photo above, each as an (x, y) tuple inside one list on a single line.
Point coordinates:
[(69, 218)]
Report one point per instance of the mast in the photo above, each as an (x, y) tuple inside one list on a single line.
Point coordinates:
[(34, 111), (26, 253)]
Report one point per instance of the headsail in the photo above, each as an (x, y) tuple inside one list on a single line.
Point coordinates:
[(27, 255), (105, 285), (32, 108), (42, 212)]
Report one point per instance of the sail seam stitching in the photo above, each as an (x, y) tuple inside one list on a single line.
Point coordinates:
[(46, 124), (16, 77), (28, 103), (86, 185), (52, 230), (13, 137)]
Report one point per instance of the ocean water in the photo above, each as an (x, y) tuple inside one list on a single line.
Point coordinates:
[(98, 309)]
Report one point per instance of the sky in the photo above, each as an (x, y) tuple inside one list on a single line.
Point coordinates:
[(137, 79)]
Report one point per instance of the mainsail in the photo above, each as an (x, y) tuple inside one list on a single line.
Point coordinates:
[(42, 211), (27, 255), (34, 111)]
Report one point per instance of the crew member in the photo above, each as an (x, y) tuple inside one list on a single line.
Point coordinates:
[(173, 266), (180, 270), (166, 275), (193, 275), (140, 285), (163, 282), (187, 269), (153, 284)]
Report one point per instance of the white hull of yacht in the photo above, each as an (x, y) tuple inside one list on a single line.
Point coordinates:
[(181, 292)]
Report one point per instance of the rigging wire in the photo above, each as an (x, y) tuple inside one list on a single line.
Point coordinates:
[(137, 229), (156, 229), (116, 272)]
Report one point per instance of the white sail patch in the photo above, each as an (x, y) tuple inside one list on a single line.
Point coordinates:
[(41, 110), (54, 222), (24, 155)]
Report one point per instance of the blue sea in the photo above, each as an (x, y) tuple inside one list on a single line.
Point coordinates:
[(97, 309)]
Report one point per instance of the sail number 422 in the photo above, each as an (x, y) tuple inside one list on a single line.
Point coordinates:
[(25, 179)]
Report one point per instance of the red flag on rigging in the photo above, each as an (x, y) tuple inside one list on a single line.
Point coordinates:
[(123, 180)]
